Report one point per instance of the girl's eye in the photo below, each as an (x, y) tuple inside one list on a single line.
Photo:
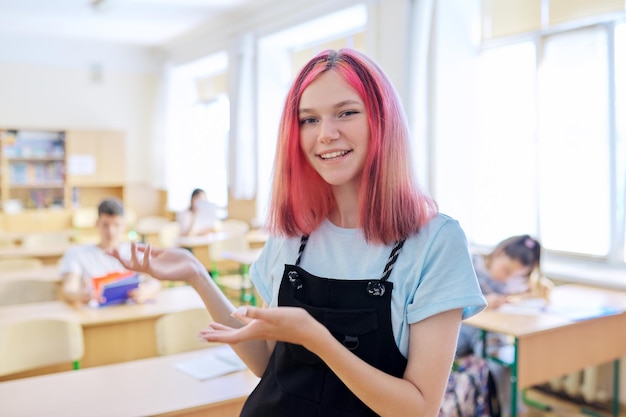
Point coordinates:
[(307, 121), (348, 113)]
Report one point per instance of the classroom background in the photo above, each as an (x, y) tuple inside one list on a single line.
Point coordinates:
[(516, 108)]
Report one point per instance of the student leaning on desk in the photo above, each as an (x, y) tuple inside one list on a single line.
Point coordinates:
[(201, 216), (81, 263), (507, 274)]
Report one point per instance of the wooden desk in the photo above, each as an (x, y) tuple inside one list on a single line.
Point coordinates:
[(200, 246), (148, 387), (202, 240), (257, 238), (45, 273), (112, 334), (48, 255), (245, 258), (549, 345)]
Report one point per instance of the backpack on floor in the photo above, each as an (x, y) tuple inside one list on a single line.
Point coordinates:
[(468, 392)]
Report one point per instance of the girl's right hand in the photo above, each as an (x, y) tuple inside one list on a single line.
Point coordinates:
[(496, 300), (172, 264)]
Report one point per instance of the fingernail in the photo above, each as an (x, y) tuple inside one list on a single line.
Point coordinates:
[(241, 311)]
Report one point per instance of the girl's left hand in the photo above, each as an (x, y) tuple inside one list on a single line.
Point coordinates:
[(285, 324)]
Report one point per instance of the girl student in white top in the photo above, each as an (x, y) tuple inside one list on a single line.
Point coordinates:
[(201, 216)]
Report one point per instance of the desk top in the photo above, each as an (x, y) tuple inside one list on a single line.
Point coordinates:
[(562, 298), (257, 236), (202, 240), (44, 273), (168, 300), (137, 388), (246, 257), (23, 252)]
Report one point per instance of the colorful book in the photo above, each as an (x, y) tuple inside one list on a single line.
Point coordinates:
[(113, 288)]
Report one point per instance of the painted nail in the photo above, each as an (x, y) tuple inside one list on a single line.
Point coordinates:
[(240, 311)]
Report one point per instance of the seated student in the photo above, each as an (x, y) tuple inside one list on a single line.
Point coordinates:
[(511, 269), (201, 216), (81, 263)]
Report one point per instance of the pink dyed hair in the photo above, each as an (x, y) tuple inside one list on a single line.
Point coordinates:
[(391, 206)]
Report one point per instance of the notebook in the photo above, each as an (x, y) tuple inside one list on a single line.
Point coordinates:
[(114, 287), (212, 365)]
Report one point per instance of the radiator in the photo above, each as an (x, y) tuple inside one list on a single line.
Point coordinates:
[(591, 386)]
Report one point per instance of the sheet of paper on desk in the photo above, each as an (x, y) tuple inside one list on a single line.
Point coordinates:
[(526, 306), (583, 312), (212, 365), (574, 312)]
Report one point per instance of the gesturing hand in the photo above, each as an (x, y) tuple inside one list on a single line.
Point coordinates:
[(285, 324), (172, 264)]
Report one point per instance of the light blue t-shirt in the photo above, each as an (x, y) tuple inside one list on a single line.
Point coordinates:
[(433, 273)]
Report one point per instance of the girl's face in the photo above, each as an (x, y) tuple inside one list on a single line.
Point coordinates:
[(197, 200), (334, 129), (502, 267)]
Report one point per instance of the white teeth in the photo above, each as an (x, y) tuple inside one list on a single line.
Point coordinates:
[(332, 155)]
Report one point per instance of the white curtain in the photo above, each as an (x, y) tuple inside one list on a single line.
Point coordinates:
[(242, 147), (418, 113)]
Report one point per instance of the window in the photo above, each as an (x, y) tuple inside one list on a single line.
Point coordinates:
[(278, 55), (505, 154), (574, 187), (550, 157), (197, 126), (620, 132)]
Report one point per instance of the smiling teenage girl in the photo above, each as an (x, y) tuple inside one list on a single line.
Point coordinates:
[(366, 283)]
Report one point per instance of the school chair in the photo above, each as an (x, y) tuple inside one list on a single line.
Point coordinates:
[(234, 227), (168, 235), (178, 332), (234, 232), (23, 291), (6, 241), (37, 343), (84, 217), (45, 240), (84, 221), (150, 226), (233, 280), (18, 264), (130, 217)]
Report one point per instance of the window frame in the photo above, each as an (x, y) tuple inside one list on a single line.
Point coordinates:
[(576, 267)]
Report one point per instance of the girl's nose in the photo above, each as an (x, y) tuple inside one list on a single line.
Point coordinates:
[(328, 131)]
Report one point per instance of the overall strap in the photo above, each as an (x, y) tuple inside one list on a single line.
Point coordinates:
[(393, 256), (303, 241)]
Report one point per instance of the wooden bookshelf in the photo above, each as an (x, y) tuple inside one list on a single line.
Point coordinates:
[(45, 174)]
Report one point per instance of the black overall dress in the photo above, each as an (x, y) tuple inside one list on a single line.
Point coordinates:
[(296, 383)]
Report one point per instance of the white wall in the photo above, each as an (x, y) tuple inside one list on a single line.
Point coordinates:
[(62, 84), (387, 30)]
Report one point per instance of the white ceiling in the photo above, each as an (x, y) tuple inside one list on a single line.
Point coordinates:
[(139, 22)]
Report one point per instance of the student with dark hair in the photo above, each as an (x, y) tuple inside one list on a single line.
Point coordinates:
[(81, 263), (364, 283), (200, 218), (506, 270)]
